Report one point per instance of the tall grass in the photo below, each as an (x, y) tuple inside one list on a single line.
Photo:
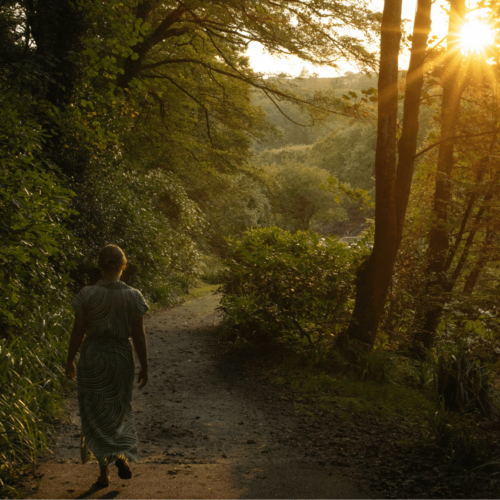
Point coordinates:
[(457, 435), (31, 383), (460, 380)]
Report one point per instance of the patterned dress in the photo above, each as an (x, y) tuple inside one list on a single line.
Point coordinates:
[(105, 371)]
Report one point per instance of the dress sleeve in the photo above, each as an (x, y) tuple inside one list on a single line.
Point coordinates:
[(79, 303), (141, 308)]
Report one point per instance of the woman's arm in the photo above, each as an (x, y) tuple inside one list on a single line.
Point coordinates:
[(75, 341), (141, 348)]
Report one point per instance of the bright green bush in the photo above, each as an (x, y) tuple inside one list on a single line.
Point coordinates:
[(148, 215), (296, 286), (35, 244)]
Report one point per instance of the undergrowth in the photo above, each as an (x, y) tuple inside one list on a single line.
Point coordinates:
[(31, 384), (449, 395), (458, 436), (293, 286), (390, 386), (346, 386)]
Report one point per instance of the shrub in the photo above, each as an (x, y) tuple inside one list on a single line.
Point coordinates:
[(296, 286), (36, 248), (151, 218)]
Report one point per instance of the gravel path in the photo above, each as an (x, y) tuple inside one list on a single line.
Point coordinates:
[(207, 429)]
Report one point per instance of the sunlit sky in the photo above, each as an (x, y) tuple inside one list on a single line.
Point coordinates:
[(263, 62)]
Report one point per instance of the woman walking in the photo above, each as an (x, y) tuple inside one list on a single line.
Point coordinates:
[(108, 314)]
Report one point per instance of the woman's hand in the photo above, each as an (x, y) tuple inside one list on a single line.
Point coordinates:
[(75, 342), (142, 378), (71, 370)]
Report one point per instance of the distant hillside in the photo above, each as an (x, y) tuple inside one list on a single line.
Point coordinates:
[(341, 146), (294, 134), (350, 81)]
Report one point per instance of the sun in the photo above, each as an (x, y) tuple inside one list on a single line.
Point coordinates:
[(475, 36)]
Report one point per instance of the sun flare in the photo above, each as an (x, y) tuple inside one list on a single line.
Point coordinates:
[(476, 36)]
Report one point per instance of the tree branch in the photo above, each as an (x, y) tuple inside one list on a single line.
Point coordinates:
[(249, 81), (163, 31), (173, 82), (450, 139)]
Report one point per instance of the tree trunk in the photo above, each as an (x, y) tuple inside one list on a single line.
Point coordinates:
[(433, 314), (428, 319), (469, 241), (471, 280), (465, 218), (407, 146), (392, 180), (58, 27)]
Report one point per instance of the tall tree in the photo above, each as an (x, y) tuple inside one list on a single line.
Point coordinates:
[(453, 85), (392, 175), (310, 30)]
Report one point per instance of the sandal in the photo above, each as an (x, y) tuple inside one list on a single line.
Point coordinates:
[(124, 471)]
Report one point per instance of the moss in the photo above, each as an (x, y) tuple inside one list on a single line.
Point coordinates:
[(205, 306), (355, 396), (201, 289)]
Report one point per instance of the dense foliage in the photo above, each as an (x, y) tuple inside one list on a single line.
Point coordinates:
[(35, 206), (131, 122), (298, 287), (32, 380)]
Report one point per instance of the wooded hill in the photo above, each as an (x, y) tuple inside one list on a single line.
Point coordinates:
[(341, 144)]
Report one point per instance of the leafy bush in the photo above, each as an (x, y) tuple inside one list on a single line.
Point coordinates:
[(296, 286), (151, 217), (36, 247), (37, 252)]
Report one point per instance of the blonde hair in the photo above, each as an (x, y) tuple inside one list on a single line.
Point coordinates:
[(112, 259)]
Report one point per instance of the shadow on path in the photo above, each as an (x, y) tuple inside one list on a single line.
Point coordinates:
[(90, 493)]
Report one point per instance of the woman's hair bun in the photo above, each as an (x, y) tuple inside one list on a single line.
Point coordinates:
[(111, 258)]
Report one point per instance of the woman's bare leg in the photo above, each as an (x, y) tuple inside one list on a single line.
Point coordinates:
[(103, 479)]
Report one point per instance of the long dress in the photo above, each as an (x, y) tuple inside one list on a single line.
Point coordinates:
[(105, 370)]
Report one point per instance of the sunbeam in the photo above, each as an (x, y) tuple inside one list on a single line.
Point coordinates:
[(476, 36)]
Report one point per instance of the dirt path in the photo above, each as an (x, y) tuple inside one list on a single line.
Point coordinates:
[(206, 429)]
